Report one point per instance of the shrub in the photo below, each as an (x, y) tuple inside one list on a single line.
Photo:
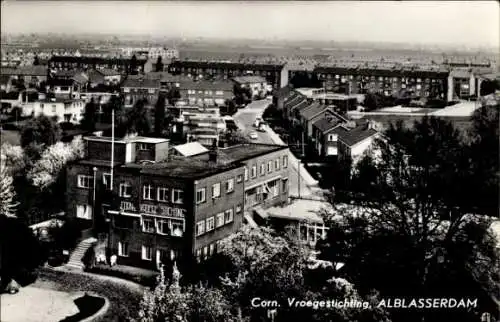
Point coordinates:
[(143, 277)]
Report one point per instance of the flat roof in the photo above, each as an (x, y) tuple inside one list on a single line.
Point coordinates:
[(134, 139), (245, 151), (299, 210)]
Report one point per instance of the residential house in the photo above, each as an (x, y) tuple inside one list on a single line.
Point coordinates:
[(355, 142), (275, 73), (135, 88), (121, 65), (326, 142), (257, 85), (206, 93), (29, 76), (63, 110)]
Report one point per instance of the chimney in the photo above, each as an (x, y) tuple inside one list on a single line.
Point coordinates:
[(212, 154)]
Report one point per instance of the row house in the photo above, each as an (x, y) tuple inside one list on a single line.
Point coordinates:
[(334, 136), (30, 76), (388, 80), (314, 112), (105, 76), (66, 88), (121, 65), (275, 74), (206, 93), (163, 206), (137, 88)]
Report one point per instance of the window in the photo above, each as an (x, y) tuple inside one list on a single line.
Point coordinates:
[(162, 226), (219, 93), (201, 195), (84, 211), (54, 109), (230, 185), (205, 252), (262, 169), (123, 249), (84, 181), (147, 252), (219, 222), (254, 171), (200, 228), (246, 174), (210, 224), (211, 249), (162, 194), (273, 188), (238, 209), (177, 196), (147, 192), (239, 178), (125, 190), (106, 179), (332, 137), (216, 190), (285, 161), (198, 254), (270, 166), (148, 225), (277, 164), (228, 216), (177, 227)]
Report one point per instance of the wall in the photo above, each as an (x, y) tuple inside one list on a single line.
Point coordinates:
[(102, 151), (211, 207)]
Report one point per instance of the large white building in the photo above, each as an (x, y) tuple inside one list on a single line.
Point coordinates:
[(63, 110)]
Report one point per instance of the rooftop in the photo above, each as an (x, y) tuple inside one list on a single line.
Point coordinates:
[(190, 149), (132, 139), (207, 85), (141, 83), (353, 136), (247, 151), (26, 71), (328, 123), (312, 110), (249, 79)]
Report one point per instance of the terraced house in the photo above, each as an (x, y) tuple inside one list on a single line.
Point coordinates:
[(170, 205)]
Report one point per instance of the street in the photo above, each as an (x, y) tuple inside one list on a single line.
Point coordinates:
[(244, 119)]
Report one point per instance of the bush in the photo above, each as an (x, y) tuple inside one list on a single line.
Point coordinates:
[(140, 276)]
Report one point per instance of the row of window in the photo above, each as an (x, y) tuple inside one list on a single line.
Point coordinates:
[(268, 166), (379, 78), (147, 252), (193, 91), (163, 226), (217, 221), (228, 186), (207, 251)]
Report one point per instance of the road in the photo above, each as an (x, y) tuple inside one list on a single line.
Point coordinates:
[(244, 119)]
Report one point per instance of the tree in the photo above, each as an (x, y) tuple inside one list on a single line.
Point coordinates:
[(160, 115), (89, 119), (171, 303), (40, 130), (49, 168), (21, 252), (267, 265), (415, 229), (36, 61), (173, 95), (242, 95), (12, 156), (7, 193), (372, 102), (133, 65), (489, 87), (137, 120), (159, 64)]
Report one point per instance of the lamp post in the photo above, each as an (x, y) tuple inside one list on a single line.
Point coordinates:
[(93, 197)]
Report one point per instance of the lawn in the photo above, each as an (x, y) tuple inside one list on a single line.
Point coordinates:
[(124, 301), (11, 137)]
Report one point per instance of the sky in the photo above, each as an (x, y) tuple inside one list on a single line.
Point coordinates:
[(465, 23)]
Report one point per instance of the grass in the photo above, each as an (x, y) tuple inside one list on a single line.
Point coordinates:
[(135, 274), (124, 302)]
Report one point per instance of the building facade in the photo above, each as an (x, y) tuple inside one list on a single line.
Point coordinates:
[(275, 74), (121, 65), (63, 110), (164, 206)]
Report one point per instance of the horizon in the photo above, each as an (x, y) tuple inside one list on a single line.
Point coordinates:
[(460, 24)]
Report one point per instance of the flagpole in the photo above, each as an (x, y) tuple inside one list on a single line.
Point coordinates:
[(112, 145)]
